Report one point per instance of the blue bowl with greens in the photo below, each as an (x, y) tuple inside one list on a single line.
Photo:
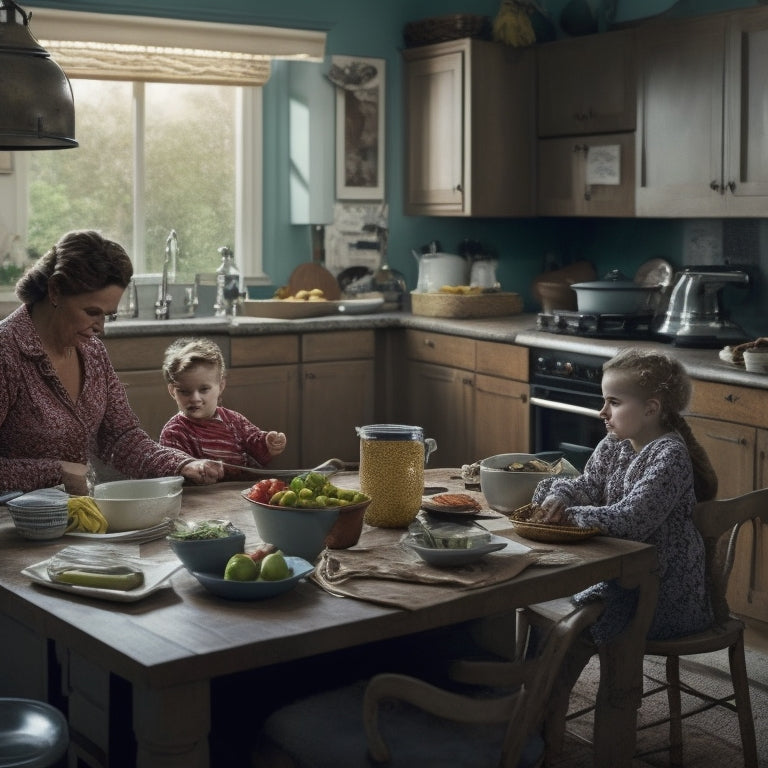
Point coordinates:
[(206, 545)]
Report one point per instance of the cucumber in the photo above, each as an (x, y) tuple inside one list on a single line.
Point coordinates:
[(121, 581)]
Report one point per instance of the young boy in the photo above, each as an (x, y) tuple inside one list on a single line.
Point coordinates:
[(195, 373)]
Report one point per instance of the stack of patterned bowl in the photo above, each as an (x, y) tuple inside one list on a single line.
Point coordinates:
[(40, 514)]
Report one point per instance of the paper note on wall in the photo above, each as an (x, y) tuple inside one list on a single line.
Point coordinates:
[(604, 164)]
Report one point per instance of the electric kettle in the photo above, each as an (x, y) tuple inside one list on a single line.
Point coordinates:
[(695, 315)]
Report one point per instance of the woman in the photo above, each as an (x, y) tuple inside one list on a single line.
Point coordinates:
[(61, 402)]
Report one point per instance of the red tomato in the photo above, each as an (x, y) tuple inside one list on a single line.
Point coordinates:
[(265, 489)]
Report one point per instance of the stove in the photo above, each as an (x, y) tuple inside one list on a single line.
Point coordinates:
[(599, 326)]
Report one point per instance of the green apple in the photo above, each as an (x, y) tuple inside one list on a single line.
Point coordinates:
[(274, 567), (241, 567)]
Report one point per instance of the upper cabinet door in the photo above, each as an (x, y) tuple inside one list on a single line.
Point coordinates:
[(469, 122), (587, 85), (680, 162), (434, 103), (746, 116)]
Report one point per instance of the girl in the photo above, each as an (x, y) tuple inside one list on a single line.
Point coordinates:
[(641, 483), (195, 374)]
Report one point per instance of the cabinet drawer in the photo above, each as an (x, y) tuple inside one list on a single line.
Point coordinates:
[(337, 345), (440, 348), (141, 353), (264, 350), (504, 360), (730, 403)]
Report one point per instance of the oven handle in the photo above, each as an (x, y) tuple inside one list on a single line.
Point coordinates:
[(555, 406)]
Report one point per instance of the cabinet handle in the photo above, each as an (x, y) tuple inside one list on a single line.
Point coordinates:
[(309, 376), (581, 148), (714, 185), (731, 398), (458, 188), (732, 186), (468, 381), (726, 439), (429, 343)]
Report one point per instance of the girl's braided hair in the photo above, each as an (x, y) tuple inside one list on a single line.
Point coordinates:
[(662, 377)]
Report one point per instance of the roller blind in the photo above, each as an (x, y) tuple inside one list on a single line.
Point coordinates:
[(118, 47)]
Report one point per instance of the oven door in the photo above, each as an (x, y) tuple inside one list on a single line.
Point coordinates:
[(566, 421)]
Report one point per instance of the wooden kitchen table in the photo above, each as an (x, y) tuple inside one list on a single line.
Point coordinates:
[(172, 644)]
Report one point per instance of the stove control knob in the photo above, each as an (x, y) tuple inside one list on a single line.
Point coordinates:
[(564, 368), (543, 365)]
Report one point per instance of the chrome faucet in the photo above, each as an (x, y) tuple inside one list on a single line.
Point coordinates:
[(163, 303)]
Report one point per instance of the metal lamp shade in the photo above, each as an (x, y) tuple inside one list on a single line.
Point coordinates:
[(37, 110)]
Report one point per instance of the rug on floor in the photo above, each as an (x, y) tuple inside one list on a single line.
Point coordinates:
[(710, 738)]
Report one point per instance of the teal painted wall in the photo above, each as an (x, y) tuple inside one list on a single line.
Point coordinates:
[(373, 28)]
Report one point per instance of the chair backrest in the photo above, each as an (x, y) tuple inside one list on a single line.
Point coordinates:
[(540, 674), (715, 518)]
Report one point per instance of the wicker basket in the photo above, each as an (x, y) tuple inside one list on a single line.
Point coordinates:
[(441, 29), (457, 305)]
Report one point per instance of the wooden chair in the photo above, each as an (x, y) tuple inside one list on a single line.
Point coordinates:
[(495, 724), (713, 519)]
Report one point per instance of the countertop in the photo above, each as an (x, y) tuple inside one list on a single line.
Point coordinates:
[(516, 329)]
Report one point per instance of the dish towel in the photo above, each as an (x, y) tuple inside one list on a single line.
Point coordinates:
[(393, 574)]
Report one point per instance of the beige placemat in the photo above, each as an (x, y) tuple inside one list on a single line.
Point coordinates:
[(382, 569)]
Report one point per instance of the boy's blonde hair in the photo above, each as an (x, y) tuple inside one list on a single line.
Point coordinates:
[(662, 377), (186, 353)]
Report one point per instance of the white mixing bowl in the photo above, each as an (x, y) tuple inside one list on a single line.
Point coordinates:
[(132, 505)]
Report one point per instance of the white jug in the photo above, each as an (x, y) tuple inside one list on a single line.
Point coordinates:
[(439, 269)]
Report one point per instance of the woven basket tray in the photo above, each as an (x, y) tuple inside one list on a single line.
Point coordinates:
[(555, 534), (456, 305), (441, 29)]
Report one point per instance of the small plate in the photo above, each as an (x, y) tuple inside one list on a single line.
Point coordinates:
[(137, 537), (455, 557), (360, 306), (255, 590), (156, 575)]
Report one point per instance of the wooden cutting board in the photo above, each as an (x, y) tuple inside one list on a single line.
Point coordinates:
[(313, 275)]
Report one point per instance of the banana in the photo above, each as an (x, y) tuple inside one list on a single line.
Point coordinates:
[(512, 25), (85, 516)]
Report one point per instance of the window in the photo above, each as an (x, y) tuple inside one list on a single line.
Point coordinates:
[(152, 157), (168, 117)]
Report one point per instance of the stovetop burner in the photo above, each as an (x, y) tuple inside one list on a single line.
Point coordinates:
[(628, 326)]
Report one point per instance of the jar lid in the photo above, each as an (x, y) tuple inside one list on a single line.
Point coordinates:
[(390, 432)]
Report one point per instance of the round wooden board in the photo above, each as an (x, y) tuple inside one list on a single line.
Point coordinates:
[(312, 275)]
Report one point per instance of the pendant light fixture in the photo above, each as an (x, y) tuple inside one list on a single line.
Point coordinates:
[(37, 110)]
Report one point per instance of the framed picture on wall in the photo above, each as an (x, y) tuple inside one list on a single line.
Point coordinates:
[(359, 127), (6, 162)]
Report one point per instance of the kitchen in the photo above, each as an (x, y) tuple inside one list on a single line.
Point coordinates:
[(623, 242)]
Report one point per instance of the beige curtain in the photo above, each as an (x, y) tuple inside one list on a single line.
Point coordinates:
[(116, 47)]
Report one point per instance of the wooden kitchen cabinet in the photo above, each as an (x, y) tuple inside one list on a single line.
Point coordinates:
[(562, 177), (471, 396), (469, 129), (337, 393), (733, 429), (703, 101), (586, 85), (263, 385), (502, 422)]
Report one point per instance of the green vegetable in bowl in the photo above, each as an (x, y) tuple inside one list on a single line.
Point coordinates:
[(203, 529)]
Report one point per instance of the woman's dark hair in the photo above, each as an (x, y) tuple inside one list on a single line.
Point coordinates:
[(81, 262)]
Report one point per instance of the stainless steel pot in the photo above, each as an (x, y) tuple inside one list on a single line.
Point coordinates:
[(615, 294)]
